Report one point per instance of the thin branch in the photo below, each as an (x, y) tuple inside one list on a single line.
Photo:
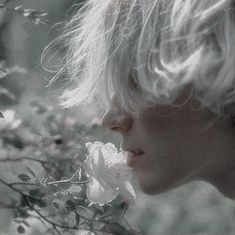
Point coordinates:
[(36, 210), (23, 183), (64, 181), (68, 180), (12, 187), (8, 159), (59, 233)]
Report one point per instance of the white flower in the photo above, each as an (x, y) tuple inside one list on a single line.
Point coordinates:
[(9, 122), (84, 232), (108, 173)]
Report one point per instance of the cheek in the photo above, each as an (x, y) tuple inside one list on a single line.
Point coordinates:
[(171, 154), (178, 144), (173, 139), (157, 181), (159, 172)]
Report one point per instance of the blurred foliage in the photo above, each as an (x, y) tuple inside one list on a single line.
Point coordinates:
[(45, 146), (33, 15), (50, 154), (40, 143)]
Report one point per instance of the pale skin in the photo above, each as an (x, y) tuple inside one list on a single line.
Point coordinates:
[(181, 143)]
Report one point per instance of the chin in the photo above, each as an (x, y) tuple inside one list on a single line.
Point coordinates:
[(151, 187)]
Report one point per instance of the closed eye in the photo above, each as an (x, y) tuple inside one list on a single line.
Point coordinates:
[(133, 83)]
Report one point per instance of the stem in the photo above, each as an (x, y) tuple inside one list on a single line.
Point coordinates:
[(8, 159), (36, 210), (68, 180), (23, 183), (5, 2)]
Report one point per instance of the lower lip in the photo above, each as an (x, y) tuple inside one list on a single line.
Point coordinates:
[(133, 159)]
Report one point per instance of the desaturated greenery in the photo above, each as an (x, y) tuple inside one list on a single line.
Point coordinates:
[(33, 15), (46, 147), (42, 143), (52, 186)]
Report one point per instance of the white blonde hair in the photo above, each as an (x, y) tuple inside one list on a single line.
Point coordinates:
[(169, 44)]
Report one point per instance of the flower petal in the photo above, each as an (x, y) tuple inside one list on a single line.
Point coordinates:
[(127, 190), (98, 194), (108, 173), (88, 168)]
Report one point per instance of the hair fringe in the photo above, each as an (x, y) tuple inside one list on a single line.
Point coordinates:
[(170, 45)]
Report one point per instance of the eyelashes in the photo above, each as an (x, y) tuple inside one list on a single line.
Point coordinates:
[(133, 84)]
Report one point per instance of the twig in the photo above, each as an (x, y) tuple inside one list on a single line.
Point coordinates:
[(36, 210), (23, 183), (68, 180), (59, 233), (8, 159)]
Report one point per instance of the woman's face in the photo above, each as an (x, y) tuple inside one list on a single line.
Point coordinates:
[(167, 145)]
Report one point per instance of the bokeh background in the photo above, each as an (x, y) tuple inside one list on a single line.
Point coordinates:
[(195, 209)]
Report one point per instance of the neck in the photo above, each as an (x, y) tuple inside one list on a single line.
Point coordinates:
[(224, 181), (222, 170)]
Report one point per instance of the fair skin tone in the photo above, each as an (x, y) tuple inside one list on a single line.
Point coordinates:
[(180, 143)]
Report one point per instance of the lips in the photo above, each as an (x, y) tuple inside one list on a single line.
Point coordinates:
[(133, 157)]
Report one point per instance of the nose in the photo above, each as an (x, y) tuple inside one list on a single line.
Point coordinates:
[(116, 119)]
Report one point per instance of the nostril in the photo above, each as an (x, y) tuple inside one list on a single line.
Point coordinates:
[(122, 125), (115, 119), (115, 128), (118, 129)]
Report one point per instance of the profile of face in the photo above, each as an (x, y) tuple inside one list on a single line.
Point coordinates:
[(170, 145), (167, 145)]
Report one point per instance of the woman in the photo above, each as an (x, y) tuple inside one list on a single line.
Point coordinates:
[(164, 70)]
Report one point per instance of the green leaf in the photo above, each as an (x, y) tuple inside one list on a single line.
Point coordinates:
[(77, 218), (36, 193), (41, 203), (31, 172), (23, 214), (39, 108), (32, 200), (37, 201), (7, 94), (56, 205), (17, 143), (24, 177), (70, 205), (20, 229), (26, 223), (23, 202)]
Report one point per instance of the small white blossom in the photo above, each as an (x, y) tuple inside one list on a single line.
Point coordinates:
[(9, 122), (108, 173), (84, 232)]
